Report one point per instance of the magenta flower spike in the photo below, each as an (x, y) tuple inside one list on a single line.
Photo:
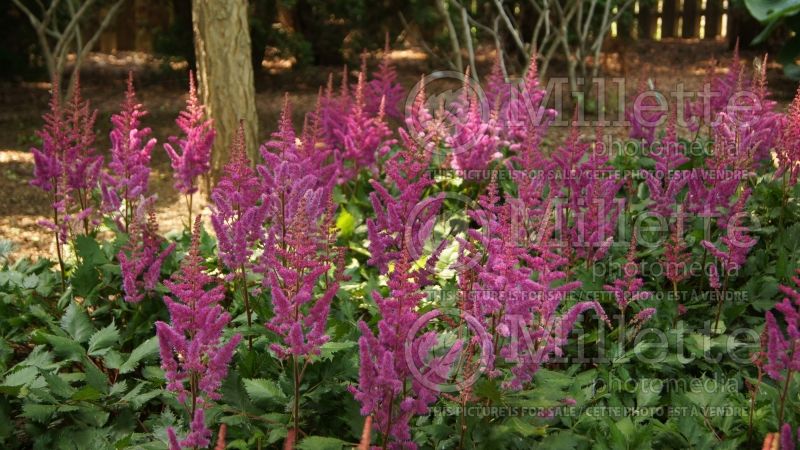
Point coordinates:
[(141, 258), (191, 153), (384, 85), (401, 198), (665, 182), (238, 213), (194, 354), (788, 150), (736, 242), (129, 169), (386, 388), (66, 167), (644, 115), (628, 288), (299, 264), (364, 137), (783, 348), (475, 140), (526, 108)]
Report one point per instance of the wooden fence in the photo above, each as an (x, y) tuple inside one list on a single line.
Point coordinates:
[(687, 19), (653, 19)]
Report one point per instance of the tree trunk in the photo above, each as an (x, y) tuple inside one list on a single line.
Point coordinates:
[(225, 74)]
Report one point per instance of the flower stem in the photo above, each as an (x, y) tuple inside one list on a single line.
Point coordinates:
[(247, 309)]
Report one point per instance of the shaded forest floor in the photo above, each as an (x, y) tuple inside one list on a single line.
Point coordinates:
[(162, 90)]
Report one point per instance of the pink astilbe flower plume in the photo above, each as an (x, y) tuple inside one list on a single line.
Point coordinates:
[(237, 213), (66, 164), (665, 183), (141, 258), (677, 257), (300, 307), (191, 153), (788, 150), (497, 87), (66, 167), (783, 348), (194, 354), (737, 243), (401, 212), (591, 189), (238, 216), (384, 85), (628, 288), (387, 388), (129, 169), (645, 114), (364, 136), (525, 108), (717, 92), (475, 140)]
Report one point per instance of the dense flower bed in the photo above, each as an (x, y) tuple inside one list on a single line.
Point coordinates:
[(459, 282)]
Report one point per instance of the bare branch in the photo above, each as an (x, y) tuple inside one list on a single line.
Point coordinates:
[(451, 32)]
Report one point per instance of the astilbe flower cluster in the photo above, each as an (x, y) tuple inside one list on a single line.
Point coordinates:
[(521, 286), (524, 107), (384, 88), (665, 182), (364, 137), (591, 196), (737, 243), (496, 87), (387, 389), (126, 179), (141, 257), (401, 213), (783, 352), (475, 140), (333, 108), (788, 438), (299, 262), (676, 255), (712, 188), (788, 148), (297, 251), (645, 114), (190, 154), (66, 165), (194, 354), (628, 288), (721, 89), (238, 214)]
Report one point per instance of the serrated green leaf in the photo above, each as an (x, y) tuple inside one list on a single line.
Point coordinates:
[(21, 377), (76, 323), (30, 281), (103, 339), (144, 350), (57, 385), (95, 378), (321, 443), (38, 412), (261, 389), (87, 393), (330, 348), (65, 347)]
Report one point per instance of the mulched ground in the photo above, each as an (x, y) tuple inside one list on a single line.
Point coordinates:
[(162, 90)]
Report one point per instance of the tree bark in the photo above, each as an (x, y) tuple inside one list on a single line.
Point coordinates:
[(225, 74)]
